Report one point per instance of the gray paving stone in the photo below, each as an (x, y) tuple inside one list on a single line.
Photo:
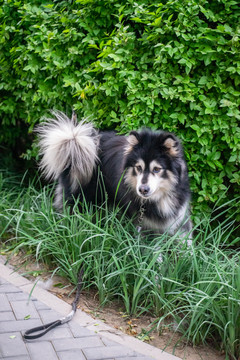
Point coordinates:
[(109, 342), (41, 351), (40, 306), (19, 296), (80, 331), (75, 354), (20, 325), (7, 316), (50, 315), (135, 358), (3, 281), (8, 288), (12, 345), (59, 332), (4, 303), (21, 357), (78, 343), (101, 353), (24, 308)]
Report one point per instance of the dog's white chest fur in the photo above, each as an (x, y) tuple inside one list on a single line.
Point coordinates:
[(171, 223)]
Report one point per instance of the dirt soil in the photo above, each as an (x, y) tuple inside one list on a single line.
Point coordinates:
[(112, 314)]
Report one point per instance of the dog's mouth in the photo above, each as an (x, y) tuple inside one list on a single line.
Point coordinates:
[(144, 197)]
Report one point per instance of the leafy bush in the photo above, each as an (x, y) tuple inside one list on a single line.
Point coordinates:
[(170, 65)]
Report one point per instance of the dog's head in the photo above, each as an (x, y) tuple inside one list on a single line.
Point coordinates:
[(154, 163)]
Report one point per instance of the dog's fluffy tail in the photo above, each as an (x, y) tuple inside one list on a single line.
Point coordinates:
[(68, 145)]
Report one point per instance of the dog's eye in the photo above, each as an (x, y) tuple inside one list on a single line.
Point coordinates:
[(139, 168), (156, 170)]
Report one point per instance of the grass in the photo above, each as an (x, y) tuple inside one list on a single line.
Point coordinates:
[(195, 290)]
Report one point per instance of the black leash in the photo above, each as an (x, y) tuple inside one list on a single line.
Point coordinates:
[(39, 331)]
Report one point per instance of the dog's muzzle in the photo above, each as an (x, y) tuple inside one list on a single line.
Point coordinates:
[(144, 190)]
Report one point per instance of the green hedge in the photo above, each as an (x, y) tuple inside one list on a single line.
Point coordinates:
[(173, 65)]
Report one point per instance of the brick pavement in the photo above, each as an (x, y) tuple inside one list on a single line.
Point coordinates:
[(82, 338), (67, 342)]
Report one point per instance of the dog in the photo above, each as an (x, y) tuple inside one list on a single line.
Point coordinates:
[(144, 172)]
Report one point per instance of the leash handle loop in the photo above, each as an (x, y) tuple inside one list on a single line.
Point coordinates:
[(41, 330)]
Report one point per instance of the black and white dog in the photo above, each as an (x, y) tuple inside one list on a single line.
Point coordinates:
[(144, 172)]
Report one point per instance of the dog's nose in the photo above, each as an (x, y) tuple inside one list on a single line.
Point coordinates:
[(144, 189)]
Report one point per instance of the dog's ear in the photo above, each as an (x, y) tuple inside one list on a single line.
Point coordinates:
[(132, 140), (172, 145)]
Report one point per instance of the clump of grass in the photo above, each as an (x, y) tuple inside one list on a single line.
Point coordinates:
[(198, 287)]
